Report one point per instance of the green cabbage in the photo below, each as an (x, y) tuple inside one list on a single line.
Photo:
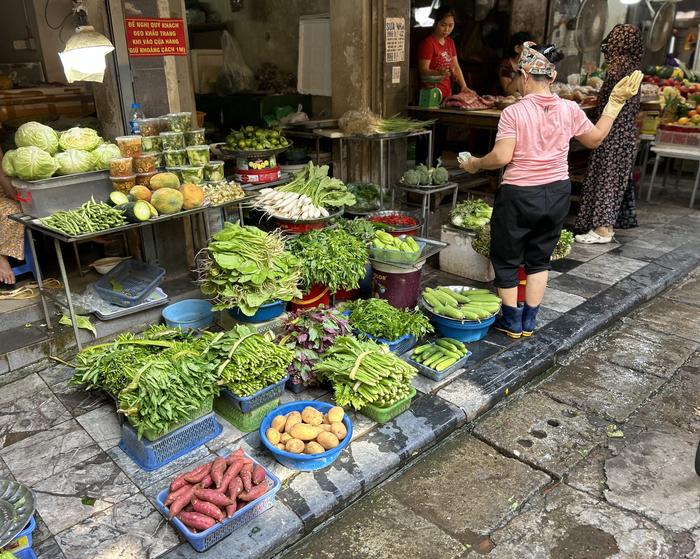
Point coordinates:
[(75, 161), (103, 153), (37, 135), (85, 139), (8, 165), (31, 163)]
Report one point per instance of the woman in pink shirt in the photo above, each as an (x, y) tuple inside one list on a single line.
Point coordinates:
[(533, 200)]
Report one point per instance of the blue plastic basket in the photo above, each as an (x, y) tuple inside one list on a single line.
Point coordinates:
[(135, 280), (398, 346), (150, 456), (438, 375), (25, 554), (189, 314), (268, 311), (23, 542), (246, 404), (204, 540), (464, 331), (304, 462)]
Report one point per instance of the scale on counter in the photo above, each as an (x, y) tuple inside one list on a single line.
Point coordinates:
[(253, 167), (430, 97)]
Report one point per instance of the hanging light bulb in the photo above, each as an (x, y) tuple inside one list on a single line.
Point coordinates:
[(629, 2), (83, 58)]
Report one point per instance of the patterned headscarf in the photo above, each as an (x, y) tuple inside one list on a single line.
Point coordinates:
[(623, 49), (534, 62)]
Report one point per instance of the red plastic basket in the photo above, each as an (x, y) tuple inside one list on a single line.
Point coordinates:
[(318, 295), (258, 177)]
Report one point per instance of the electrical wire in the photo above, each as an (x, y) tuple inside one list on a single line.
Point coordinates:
[(46, 17)]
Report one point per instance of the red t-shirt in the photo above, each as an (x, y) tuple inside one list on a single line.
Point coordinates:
[(440, 57)]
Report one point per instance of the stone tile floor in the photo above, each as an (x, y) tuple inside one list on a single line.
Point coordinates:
[(92, 501)]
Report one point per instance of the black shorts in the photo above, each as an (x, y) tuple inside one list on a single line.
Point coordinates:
[(525, 228)]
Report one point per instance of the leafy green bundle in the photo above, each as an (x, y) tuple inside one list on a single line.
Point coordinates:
[(247, 361), (360, 228), (325, 192), (364, 372), (245, 267), (471, 214), (379, 319), (330, 257), (482, 242)]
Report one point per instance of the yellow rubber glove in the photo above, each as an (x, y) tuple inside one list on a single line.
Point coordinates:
[(625, 89)]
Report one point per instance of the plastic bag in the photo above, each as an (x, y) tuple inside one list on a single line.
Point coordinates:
[(236, 75), (294, 117)]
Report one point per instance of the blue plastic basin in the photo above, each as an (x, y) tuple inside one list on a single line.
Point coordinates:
[(467, 331), (304, 462), (188, 314), (266, 312)]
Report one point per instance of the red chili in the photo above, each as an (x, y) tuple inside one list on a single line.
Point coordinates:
[(396, 220)]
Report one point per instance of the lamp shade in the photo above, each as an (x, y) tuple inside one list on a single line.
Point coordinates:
[(83, 58)]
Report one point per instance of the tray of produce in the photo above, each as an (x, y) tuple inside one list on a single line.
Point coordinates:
[(439, 359), (16, 509), (461, 303), (395, 250), (471, 214), (429, 248), (157, 298), (251, 141), (285, 177), (211, 501), (306, 435), (427, 177), (397, 222), (367, 196), (129, 283)]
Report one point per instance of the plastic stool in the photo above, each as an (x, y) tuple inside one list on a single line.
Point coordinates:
[(28, 265)]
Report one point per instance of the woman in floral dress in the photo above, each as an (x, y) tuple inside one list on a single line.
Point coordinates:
[(11, 232)]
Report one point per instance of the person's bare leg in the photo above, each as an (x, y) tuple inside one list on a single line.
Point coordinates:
[(604, 231), (6, 274), (509, 296), (534, 289)]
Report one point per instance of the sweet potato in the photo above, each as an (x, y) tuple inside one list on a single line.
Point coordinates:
[(210, 509), (231, 510), (175, 494), (247, 476), (207, 482), (254, 493), (278, 423), (326, 427), (182, 501), (198, 474), (212, 496), (235, 454), (231, 472), (235, 488), (258, 474), (217, 471), (179, 482), (196, 520)]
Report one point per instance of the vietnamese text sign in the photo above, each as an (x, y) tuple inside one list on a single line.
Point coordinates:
[(155, 37)]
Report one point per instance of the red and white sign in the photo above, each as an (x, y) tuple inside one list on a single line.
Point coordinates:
[(155, 37)]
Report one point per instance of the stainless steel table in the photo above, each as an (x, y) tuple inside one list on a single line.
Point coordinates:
[(671, 152), (426, 192)]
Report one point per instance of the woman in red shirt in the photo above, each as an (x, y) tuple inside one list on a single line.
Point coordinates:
[(437, 54)]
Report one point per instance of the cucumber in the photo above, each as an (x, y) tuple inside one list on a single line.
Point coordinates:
[(459, 346), (412, 243), (433, 359), (449, 349), (447, 297), (477, 291), (456, 296), (483, 297), (451, 312), (431, 300), (422, 348), (423, 357), (468, 315), (481, 313), (490, 308), (442, 365)]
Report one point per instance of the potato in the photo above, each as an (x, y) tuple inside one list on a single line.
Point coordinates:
[(278, 423), (273, 435), (313, 448), (304, 432), (327, 440), (284, 437), (326, 427), (336, 414), (326, 421), (339, 430), (280, 446), (294, 445), (311, 416), (293, 417)]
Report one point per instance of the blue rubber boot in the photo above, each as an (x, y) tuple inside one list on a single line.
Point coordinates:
[(510, 322), (529, 319)]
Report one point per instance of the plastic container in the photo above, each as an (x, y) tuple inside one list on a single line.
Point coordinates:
[(129, 146), (135, 117), (160, 160), (295, 387), (25, 554), (399, 286), (198, 155), (189, 314), (177, 171), (151, 435), (396, 256), (192, 173), (135, 279), (397, 230), (180, 122), (214, 171), (383, 415), (318, 295), (467, 331), (148, 126), (23, 541), (144, 179), (195, 137), (243, 421), (121, 167), (258, 177), (247, 404), (145, 163), (204, 540), (172, 140), (175, 157), (346, 295), (304, 462), (163, 124), (150, 456), (438, 375), (398, 346), (123, 184), (151, 144), (268, 311)]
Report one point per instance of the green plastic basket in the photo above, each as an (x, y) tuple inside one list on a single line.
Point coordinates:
[(246, 422), (383, 415), (153, 435)]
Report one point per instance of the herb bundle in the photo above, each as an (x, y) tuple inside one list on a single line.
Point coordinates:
[(360, 228), (379, 319), (330, 257), (364, 372), (325, 192), (309, 333), (245, 267)]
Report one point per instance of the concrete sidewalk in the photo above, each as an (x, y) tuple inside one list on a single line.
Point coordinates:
[(595, 461)]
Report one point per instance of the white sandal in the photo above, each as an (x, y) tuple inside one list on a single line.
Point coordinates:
[(592, 238)]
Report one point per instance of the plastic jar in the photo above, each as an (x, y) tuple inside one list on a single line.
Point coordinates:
[(172, 140), (145, 178), (198, 155), (192, 173), (150, 144), (175, 157), (177, 171), (129, 146), (195, 137), (124, 184), (121, 167), (214, 171), (148, 126), (180, 122), (145, 163)]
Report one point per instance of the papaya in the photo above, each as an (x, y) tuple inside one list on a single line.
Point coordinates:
[(167, 201), (141, 192), (164, 180), (193, 196)]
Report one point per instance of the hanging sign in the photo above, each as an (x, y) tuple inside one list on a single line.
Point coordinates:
[(155, 37)]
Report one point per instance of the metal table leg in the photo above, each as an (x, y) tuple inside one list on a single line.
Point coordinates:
[(653, 176), (426, 214), (66, 289), (454, 196), (695, 187), (382, 174), (39, 280), (240, 214), (430, 146)]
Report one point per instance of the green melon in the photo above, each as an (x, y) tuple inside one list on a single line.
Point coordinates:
[(164, 180), (167, 201)]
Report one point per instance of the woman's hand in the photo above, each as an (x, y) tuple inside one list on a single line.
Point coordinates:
[(471, 165)]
